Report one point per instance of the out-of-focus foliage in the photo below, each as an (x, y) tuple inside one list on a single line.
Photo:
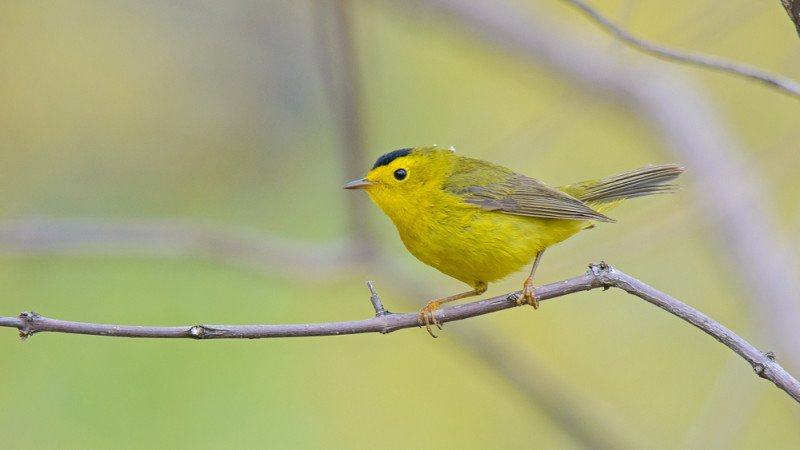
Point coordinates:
[(218, 112)]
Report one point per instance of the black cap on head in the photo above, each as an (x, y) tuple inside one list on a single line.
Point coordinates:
[(391, 156)]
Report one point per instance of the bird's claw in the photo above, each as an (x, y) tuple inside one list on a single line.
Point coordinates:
[(528, 295), (427, 315)]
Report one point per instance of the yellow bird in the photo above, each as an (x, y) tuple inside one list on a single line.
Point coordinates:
[(479, 222)]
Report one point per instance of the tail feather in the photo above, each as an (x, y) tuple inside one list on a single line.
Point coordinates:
[(646, 180)]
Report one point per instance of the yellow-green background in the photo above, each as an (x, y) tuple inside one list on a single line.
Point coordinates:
[(219, 115)]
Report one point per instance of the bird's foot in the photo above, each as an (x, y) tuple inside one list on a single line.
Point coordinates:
[(528, 295), (427, 316)]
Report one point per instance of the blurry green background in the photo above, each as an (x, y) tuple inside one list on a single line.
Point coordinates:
[(139, 139)]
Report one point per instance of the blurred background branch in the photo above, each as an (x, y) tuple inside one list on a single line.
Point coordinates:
[(249, 249), (706, 61), (341, 76)]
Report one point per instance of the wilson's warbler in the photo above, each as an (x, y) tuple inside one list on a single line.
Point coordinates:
[(478, 222)]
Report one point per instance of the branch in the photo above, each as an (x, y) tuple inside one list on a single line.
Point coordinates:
[(599, 276), (709, 62), (793, 9)]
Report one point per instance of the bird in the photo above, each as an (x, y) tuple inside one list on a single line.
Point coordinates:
[(478, 222)]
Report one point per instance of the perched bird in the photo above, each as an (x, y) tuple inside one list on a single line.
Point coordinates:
[(479, 222)]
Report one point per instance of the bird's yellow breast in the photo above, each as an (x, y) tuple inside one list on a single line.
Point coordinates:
[(466, 242)]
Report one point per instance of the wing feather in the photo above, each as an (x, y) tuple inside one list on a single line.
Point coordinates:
[(521, 195)]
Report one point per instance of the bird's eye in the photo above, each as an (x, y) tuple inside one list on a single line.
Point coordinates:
[(400, 174)]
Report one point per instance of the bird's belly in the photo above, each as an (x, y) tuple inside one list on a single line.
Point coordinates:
[(484, 246)]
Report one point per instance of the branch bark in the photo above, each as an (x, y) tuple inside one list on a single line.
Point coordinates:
[(792, 8), (599, 276)]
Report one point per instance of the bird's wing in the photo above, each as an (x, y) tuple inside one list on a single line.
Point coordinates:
[(521, 195)]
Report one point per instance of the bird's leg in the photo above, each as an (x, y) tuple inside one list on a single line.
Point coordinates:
[(428, 313), (527, 288)]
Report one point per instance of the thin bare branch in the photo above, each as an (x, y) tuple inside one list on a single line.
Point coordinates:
[(599, 276), (707, 61), (376, 301)]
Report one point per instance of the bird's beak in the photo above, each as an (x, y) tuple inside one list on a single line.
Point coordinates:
[(359, 184)]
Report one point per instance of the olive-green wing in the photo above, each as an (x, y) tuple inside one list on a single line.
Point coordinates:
[(519, 195)]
